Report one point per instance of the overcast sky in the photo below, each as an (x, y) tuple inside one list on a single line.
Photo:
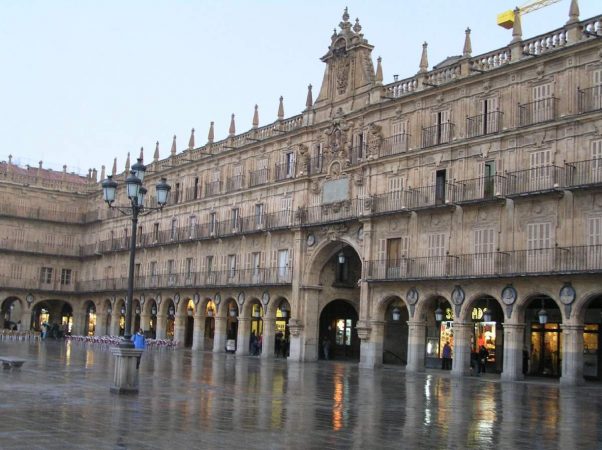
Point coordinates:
[(86, 81)]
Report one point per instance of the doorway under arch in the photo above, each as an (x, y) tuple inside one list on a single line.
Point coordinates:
[(544, 337), (395, 344), (338, 333)]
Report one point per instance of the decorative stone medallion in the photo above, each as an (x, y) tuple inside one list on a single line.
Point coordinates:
[(458, 295), (196, 298), (29, 299), (311, 240), (265, 298), (217, 299), (567, 294), (412, 296), (509, 295), (241, 298)]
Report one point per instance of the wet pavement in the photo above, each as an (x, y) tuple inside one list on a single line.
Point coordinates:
[(61, 399)]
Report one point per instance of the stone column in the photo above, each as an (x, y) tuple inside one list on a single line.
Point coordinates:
[(26, 320), (269, 337), (514, 342), (461, 354), (79, 319), (145, 321), (198, 333), (295, 351), (572, 355), (416, 343), (372, 342), (161, 326), (115, 323), (219, 338), (244, 336), (180, 329)]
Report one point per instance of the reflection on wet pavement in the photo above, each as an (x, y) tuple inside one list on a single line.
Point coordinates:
[(60, 399)]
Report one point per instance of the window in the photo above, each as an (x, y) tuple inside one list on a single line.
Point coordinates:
[(393, 257), (259, 215), (543, 103), (192, 227), (286, 203), (440, 186), (46, 275), (539, 247), (137, 270), (212, 223), (195, 192), (231, 266), (282, 264), (125, 238), (399, 138), (156, 232), (209, 263), (16, 271), (290, 164), (484, 248), (594, 242), (540, 175), (176, 197), (235, 219), (174, 229), (189, 267), (255, 263), (489, 111), (140, 236), (171, 264), (436, 253), (153, 268), (596, 147), (65, 277)]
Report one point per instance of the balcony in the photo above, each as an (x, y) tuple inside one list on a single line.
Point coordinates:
[(329, 213), (285, 171), (480, 189), (589, 99), (430, 196), (358, 154), (192, 193), (41, 248), (545, 261), (535, 181), (394, 145), (235, 183), (484, 124), (539, 111), (259, 177), (583, 174), (271, 276), (213, 188), (315, 165), (437, 134)]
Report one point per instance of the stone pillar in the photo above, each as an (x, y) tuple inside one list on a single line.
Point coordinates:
[(180, 329), (79, 320), (416, 343), (161, 330), (295, 351), (198, 333), (125, 376), (25, 320), (243, 337), (145, 321), (115, 323), (572, 355), (514, 342), (372, 342), (269, 337), (461, 354), (219, 338)]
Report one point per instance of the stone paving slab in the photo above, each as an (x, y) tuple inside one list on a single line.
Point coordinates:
[(60, 399)]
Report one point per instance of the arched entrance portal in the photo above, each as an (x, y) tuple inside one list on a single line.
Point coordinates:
[(209, 332), (395, 345), (188, 334), (487, 317), (90, 319), (10, 313), (544, 337), (592, 340), (338, 333), (57, 314)]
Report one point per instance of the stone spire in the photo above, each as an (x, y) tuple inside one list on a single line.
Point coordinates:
[(467, 51), (232, 129), (102, 172), (94, 174), (114, 172), (281, 108), (211, 134), (309, 101), (127, 165), (255, 118), (357, 27), (173, 146), (156, 155), (191, 140), (379, 71), (573, 12), (141, 153), (517, 29), (424, 60)]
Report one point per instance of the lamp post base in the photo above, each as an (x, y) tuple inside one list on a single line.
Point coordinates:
[(125, 377)]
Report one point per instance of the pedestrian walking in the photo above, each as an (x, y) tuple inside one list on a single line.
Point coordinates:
[(483, 355), (140, 344), (326, 348), (446, 356)]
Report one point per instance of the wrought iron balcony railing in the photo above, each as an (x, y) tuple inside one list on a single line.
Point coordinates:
[(315, 165), (539, 179), (394, 145), (543, 261), (235, 183), (213, 188), (584, 173), (285, 171), (479, 189), (258, 177), (484, 124), (538, 111), (437, 134), (589, 99)]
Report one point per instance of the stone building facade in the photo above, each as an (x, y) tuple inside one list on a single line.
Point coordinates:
[(460, 206)]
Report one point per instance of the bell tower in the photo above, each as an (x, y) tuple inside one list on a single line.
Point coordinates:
[(349, 70)]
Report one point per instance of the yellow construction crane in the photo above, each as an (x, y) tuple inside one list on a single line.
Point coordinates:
[(506, 19)]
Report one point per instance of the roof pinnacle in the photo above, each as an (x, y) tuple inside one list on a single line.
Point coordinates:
[(156, 155), (173, 146), (211, 134), (467, 51), (255, 122), (424, 61), (191, 140), (281, 108), (379, 70), (232, 129)]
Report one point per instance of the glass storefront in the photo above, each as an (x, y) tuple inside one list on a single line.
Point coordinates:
[(591, 342), (546, 349)]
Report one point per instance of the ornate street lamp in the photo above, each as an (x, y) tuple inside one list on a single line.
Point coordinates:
[(341, 257), (487, 316), (232, 311), (396, 314), (283, 311), (154, 310), (439, 313), (136, 194), (542, 314)]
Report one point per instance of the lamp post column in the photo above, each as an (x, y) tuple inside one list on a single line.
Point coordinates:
[(127, 343)]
